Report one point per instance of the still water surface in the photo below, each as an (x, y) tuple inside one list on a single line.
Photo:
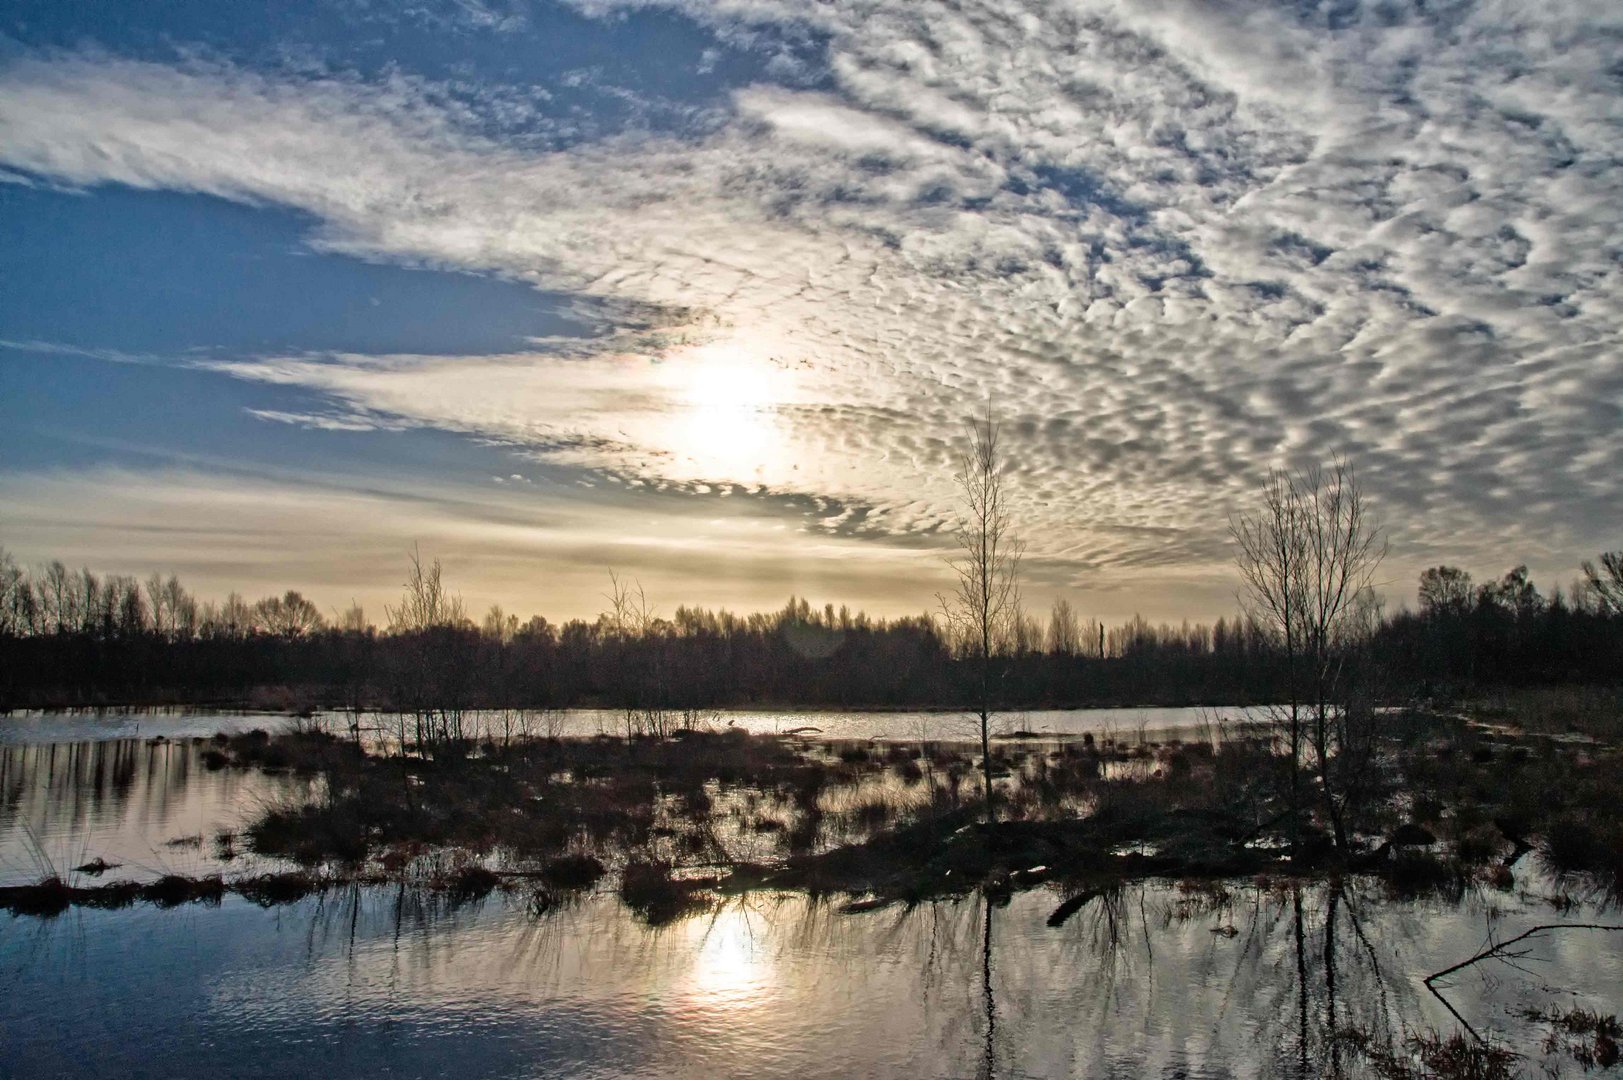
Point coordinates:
[(65, 725), (1152, 980)]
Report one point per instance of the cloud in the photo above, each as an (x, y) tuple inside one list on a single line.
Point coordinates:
[(1177, 243), (345, 538)]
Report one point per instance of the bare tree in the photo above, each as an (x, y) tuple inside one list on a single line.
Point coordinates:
[(499, 626), (289, 616), (982, 610), (1307, 558), (174, 610), (352, 620), (233, 618), (1606, 582), (425, 604), (629, 613), (433, 681), (634, 629), (1446, 590), (14, 586), (1064, 635)]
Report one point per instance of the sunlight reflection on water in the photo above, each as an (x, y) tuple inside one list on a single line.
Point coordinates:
[(376, 981), (1123, 723)]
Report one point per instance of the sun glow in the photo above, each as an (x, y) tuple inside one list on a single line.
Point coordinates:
[(731, 967), (727, 427)]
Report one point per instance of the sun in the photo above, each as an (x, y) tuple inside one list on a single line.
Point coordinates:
[(729, 387), (726, 424)]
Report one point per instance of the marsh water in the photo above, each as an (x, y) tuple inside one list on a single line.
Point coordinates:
[(1125, 723), (1236, 979)]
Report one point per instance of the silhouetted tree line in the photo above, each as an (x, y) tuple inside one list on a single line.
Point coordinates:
[(75, 638), (1506, 631)]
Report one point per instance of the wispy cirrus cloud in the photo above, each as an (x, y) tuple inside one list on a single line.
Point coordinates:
[(1176, 243)]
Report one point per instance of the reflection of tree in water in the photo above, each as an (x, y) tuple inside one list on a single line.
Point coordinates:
[(989, 1059), (122, 798), (1289, 968), (1287, 980)]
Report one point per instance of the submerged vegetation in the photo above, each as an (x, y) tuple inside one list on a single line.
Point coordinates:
[(673, 821)]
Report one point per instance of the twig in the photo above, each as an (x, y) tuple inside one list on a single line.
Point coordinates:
[(1496, 951)]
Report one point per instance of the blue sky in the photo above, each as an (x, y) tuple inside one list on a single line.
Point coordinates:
[(705, 290)]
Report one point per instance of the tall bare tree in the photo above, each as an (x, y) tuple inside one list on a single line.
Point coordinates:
[(432, 682), (425, 604), (1307, 557), (629, 623), (982, 609)]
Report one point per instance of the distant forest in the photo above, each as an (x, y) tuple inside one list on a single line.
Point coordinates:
[(73, 638)]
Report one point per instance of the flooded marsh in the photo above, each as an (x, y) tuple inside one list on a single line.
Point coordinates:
[(679, 917)]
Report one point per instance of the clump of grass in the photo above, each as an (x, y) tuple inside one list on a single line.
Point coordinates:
[(1571, 844), (1412, 874), (1430, 1056), (269, 890), (471, 882), (572, 873), (306, 750), (45, 899), (95, 867), (1590, 1038), (311, 834), (172, 890), (649, 888)]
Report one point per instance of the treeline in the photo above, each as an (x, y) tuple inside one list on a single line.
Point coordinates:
[(76, 638), (1506, 632)]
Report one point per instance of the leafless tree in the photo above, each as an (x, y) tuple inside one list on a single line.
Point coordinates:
[(1025, 635), (630, 619), (499, 626), (1064, 635), (983, 608), (232, 619), (432, 682), (289, 616), (1446, 590), (352, 620), (14, 586), (425, 604), (174, 610), (1606, 582), (1307, 557)]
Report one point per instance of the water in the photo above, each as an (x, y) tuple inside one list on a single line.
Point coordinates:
[(383, 981), (150, 808), (1127, 723)]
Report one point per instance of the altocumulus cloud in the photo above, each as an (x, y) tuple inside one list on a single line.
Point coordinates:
[(1176, 243)]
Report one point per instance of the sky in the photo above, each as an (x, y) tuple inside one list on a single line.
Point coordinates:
[(705, 291)]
